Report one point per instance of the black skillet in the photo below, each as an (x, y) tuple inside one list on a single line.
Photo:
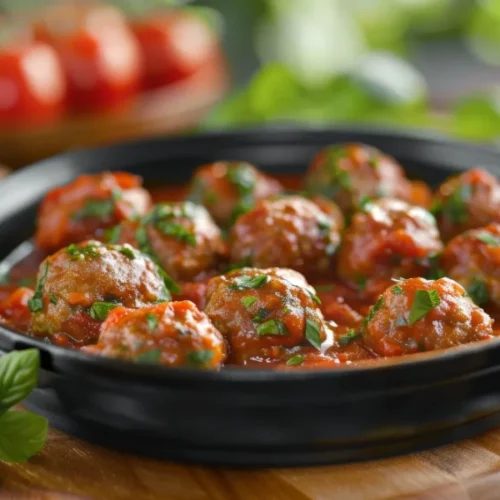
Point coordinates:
[(242, 417)]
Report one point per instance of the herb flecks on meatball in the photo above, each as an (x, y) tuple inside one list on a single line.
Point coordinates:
[(416, 315), (78, 286), (290, 232), (262, 311), (230, 188), (168, 334), (89, 205)]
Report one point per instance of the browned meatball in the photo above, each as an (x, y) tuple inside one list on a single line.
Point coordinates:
[(420, 315), (230, 188), (80, 284), (286, 232), (349, 174), (181, 236), (473, 259), (467, 201), (262, 311), (168, 334), (389, 239), (91, 203)]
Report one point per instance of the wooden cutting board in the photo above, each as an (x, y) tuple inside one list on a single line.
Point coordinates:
[(72, 469)]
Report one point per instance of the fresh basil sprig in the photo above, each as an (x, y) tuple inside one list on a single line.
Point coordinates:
[(22, 434)]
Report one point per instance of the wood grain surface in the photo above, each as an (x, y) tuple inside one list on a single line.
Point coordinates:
[(70, 469)]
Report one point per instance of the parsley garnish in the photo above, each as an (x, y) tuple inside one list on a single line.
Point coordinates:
[(95, 208), (248, 282), (152, 320), (298, 359), (243, 177), (261, 315), (246, 262), (79, 253), (314, 297), (424, 301), (312, 334), (201, 357), (128, 251), (454, 207), (373, 311), (178, 231), (35, 304), (113, 234), (478, 292), (248, 301), (100, 310), (150, 358), (361, 281), (272, 327), (397, 290), (350, 336), (489, 239)]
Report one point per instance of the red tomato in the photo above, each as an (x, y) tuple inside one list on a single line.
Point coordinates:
[(32, 86), (174, 46)]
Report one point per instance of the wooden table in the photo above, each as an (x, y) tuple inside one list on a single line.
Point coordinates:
[(72, 469)]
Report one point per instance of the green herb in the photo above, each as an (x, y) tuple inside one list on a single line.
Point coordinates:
[(286, 310), (397, 290), (298, 359), (373, 161), (171, 285), (201, 357), (95, 208), (246, 262), (313, 334), (149, 358), (435, 272), (80, 252), (349, 337), (455, 206), (261, 315), (361, 281), (248, 282), (100, 310), (197, 191), (53, 298), (478, 292), (35, 304), (127, 251), (243, 177), (424, 302), (324, 225), (248, 301), (152, 320), (373, 311), (243, 206), (113, 234), (22, 434), (364, 202), (324, 288), (339, 178), (272, 327), (489, 239), (314, 297), (211, 198), (177, 231)]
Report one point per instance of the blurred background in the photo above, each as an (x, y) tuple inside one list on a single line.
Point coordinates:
[(84, 73)]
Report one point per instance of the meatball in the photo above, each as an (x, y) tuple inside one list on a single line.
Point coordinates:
[(181, 236), (263, 311), (91, 203), (229, 189), (14, 311), (349, 174), (473, 259), (388, 239), (467, 201), (168, 334), (77, 286), (420, 315), (286, 232)]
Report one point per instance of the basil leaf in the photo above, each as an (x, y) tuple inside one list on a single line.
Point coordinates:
[(35, 304), (313, 334), (248, 282), (149, 358), (424, 301), (349, 337), (478, 292), (22, 435), (397, 290), (248, 301), (298, 359), (272, 327), (18, 376), (489, 239), (100, 310), (152, 320), (201, 357)]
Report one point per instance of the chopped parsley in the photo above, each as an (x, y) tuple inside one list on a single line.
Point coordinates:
[(171, 285), (272, 327), (298, 359), (313, 334), (424, 302), (261, 315), (397, 290), (201, 357), (242, 176), (455, 206), (478, 292), (246, 262), (80, 252), (489, 239), (52, 298), (177, 231), (128, 251), (95, 208), (361, 281), (338, 176), (35, 304), (373, 311), (149, 358), (364, 202), (248, 282), (113, 234), (152, 320), (314, 297), (248, 301), (324, 225), (100, 310), (211, 198), (350, 336)]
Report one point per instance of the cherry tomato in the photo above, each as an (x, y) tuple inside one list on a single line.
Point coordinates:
[(32, 86), (174, 45)]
